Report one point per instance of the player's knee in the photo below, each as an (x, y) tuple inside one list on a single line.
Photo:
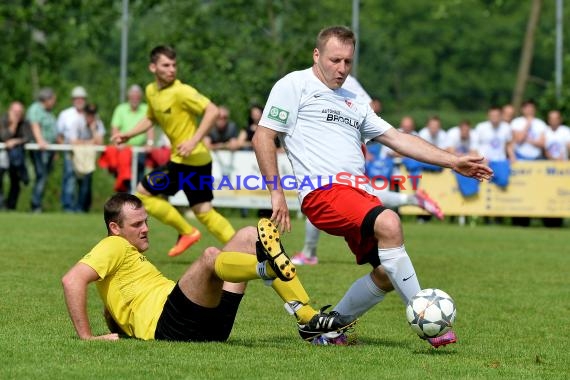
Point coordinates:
[(208, 258), (243, 241), (388, 225), (247, 234)]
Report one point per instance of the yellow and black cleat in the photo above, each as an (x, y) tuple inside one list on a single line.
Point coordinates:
[(269, 248)]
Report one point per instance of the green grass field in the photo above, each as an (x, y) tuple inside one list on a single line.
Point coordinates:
[(510, 286)]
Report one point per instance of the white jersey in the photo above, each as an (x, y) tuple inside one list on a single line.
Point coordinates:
[(461, 146), (352, 84), (321, 129), (492, 141), (70, 120), (439, 140), (537, 128), (557, 142)]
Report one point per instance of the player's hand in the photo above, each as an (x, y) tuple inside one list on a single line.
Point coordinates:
[(280, 216), (42, 144), (119, 138), (473, 166), (185, 148), (110, 336)]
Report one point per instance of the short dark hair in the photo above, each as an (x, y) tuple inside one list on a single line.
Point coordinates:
[(343, 33), (529, 102), (167, 51), (45, 93), (113, 208), (91, 109)]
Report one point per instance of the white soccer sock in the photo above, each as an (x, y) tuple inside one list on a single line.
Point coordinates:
[(311, 239), (400, 270), (361, 297), (261, 270), (392, 199)]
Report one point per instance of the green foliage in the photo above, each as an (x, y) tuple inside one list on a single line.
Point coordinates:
[(417, 55), (508, 284)]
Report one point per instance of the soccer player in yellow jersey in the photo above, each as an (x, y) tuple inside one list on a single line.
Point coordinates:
[(141, 302), (176, 107)]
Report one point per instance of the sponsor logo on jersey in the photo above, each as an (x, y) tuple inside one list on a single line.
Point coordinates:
[(278, 114), (336, 116)]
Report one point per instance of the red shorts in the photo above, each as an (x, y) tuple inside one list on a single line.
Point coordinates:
[(346, 211)]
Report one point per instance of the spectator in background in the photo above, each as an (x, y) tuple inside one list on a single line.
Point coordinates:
[(462, 139), (44, 132), (557, 139), (224, 134), (376, 105), (494, 137), (89, 133), (70, 119), (125, 117), (407, 125), (528, 133), (246, 135), (556, 147), (14, 133), (433, 133), (508, 113)]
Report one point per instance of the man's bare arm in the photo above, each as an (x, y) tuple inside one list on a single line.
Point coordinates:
[(266, 153), (75, 283)]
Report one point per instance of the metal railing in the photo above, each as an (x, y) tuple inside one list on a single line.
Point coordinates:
[(98, 148)]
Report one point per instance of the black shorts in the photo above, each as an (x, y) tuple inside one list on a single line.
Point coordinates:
[(195, 181), (183, 320)]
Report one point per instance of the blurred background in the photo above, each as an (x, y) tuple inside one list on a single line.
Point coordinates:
[(450, 57)]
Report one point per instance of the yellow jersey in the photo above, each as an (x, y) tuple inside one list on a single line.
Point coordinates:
[(176, 109), (131, 288)]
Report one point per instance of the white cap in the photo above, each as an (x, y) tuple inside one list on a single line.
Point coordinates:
[(78, 92)]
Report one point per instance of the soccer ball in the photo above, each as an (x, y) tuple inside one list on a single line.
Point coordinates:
[(431, 313)]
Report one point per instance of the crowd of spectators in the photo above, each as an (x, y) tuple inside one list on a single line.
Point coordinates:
[(502, 139), (503, 136)]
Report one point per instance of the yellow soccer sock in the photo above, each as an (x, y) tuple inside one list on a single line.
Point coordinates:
[(293, 292), (241, 267), (217, 225), (166, 213), (236, 267)]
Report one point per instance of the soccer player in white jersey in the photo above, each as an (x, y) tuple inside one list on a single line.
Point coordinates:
[(528, 133), (322, 126), (390, 199), (557, 141), (494, 137)]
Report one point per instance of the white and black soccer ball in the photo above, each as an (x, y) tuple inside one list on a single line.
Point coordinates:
[(431, 313)]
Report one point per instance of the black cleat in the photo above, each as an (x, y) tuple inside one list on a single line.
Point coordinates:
[(269, 249), (324, 323)]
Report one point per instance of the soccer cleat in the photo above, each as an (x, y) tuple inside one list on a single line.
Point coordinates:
[(301, 259), (270, 249), (425, 202), (184, 242), (447, 338), (334, 340), (323, 323)]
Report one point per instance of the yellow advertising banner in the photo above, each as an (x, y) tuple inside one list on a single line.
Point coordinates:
[(535, 189)]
